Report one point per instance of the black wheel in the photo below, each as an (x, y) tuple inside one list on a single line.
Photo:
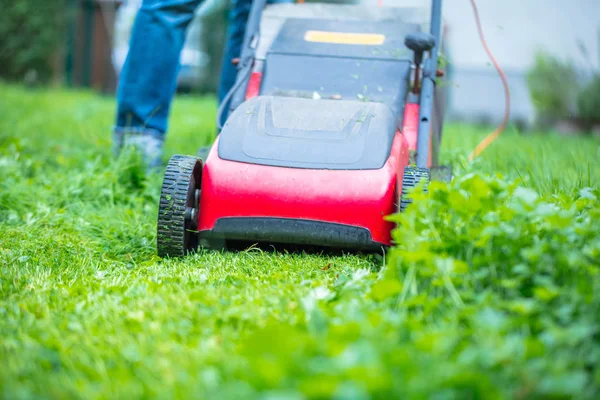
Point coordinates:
[(411, 179), (179, 207)]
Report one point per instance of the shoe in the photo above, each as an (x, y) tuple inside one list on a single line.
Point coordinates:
[(149, 144)]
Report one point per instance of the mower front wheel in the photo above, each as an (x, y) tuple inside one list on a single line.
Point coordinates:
[(179, 207)]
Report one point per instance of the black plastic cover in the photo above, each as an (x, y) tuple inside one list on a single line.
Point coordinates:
[(292, 39), (380, 81), (305, 133), (378, 73)]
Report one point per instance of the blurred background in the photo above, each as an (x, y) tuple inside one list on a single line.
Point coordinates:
[(550, 51)]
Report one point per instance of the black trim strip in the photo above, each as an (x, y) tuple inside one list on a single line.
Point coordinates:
[(293, 231)]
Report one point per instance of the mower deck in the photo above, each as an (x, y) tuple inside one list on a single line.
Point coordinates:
[(343, 198)]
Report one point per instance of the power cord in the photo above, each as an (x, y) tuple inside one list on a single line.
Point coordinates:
[(489, 139)]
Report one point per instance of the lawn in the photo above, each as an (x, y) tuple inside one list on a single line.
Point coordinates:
[(493, 292)]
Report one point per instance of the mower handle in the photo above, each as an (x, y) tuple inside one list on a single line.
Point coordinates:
[(428, 86), (419, 43), (237, 93)]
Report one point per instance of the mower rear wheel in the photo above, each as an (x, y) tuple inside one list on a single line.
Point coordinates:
[(411, 179), (179, 207)]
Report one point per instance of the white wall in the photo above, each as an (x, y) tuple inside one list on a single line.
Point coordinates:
[(514, 30)]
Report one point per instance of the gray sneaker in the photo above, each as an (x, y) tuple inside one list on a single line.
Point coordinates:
[(148, 143)]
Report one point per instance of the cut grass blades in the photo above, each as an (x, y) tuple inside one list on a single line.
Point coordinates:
[(492, 291)]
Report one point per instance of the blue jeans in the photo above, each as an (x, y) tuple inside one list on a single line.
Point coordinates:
[(148, 79)]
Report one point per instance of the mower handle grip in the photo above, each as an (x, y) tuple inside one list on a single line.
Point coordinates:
[(419, 43)]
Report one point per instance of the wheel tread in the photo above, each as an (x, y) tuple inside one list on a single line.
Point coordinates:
[(411, 178), (170, 241)]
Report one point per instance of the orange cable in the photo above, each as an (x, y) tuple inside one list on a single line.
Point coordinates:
[(489, 139)]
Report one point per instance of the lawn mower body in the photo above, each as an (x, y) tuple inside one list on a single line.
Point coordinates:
[(333, 207), (326, 117)]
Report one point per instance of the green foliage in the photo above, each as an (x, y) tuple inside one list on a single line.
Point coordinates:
[(504, 285), (31, 33), (553, 87), (492, 292), (588, 102)]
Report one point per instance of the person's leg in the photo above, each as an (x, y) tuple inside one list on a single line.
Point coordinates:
[(236, 28), (148, 80)]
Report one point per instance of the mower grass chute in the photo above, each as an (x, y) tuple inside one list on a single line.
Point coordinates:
[(333, 119)]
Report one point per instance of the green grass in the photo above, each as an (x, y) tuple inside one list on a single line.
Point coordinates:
[(493, 293)]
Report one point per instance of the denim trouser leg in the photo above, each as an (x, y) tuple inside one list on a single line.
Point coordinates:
[(148, 80)]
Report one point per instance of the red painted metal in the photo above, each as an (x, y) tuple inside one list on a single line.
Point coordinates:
[(410, 130), (353, 197), (253, 89)]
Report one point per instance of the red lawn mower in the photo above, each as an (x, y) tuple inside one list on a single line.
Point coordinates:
[(336, 114)]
